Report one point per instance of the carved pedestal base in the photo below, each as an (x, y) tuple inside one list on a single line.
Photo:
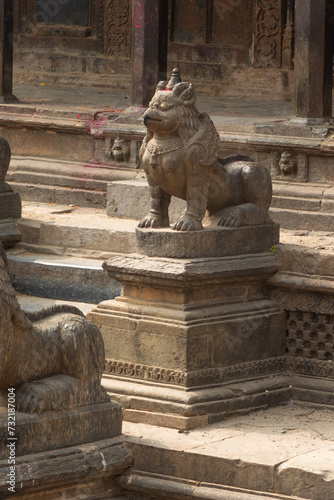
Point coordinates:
[(186, 332)]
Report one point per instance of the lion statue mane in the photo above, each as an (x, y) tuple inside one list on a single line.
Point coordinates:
[(54, 358), (180, 157)]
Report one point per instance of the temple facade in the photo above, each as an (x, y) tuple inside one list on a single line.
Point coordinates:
[(227, 47)]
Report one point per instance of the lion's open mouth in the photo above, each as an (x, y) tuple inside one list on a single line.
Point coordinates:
[(146, 118)]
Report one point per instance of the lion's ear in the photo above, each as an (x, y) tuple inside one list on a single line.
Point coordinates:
[(186, 92), (161, 86)]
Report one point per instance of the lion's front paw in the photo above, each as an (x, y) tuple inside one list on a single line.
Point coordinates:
[(153, 221), (187, 223)]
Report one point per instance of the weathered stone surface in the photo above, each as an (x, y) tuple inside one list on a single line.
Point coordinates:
[(131, 199), (58, 277), (9, 233), (277, 453), (210, 242), (86, 470), (189, 323), (60, 429), (309, 476), (186, 408)]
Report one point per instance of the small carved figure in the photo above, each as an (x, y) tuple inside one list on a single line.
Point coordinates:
[(120, 150), (180, 157), (53, 357), (288, 164)]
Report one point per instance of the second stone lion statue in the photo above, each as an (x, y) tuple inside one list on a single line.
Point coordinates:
[(54, 358), (180, 157)]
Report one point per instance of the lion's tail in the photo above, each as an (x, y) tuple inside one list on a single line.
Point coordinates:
[(46, 312), (232, 158)]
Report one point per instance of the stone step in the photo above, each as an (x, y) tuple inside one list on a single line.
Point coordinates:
[(62, 250), (61, 195), (131, 198), (57, 181), (303, 220), (293, 206), (280, 453), (63, 230), (61, 278), (30, 303)]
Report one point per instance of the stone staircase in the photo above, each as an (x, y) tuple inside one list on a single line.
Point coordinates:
[(62, 251)]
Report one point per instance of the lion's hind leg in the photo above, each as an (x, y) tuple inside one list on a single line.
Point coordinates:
[(73, 348), (256, 193), (52, 393)]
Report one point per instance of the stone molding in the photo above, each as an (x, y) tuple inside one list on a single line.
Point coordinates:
[(196, 378), (304, 301), (311, 367)]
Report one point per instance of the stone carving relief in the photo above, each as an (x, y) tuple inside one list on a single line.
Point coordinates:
[(180, 157), (303, 301), (53, 357), (196, 378), (120, 150), (268, 34), (289, 166), (117, 28), (311, 367)]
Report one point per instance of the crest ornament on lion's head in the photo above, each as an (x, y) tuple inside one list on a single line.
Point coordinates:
[(180, 157)]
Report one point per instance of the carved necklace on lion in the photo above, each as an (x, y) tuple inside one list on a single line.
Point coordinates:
[(161, 149)]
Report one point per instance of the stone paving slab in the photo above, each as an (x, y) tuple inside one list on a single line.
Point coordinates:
[(287, 450)]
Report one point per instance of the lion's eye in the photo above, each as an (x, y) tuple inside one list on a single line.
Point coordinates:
[(164, 106)]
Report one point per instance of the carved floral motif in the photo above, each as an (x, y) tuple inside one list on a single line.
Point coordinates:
[(117, 28), (268, 35), (196, 378)]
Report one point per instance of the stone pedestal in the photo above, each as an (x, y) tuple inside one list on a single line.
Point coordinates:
[(62, 453), (191, 339)]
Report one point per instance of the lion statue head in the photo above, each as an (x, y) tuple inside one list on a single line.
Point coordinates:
[(172, 112)]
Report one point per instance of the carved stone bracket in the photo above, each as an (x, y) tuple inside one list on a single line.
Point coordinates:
[(268, 34)]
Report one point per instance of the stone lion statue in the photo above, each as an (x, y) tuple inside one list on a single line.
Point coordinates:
[(180, 157), (54, 358)]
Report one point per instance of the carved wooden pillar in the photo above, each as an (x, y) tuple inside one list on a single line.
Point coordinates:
[(149, 48), (268, 33), (313, 58), (6, 51)]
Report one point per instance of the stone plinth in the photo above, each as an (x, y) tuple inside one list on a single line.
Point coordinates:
[(191, 339), (210, 242), (59, 429)]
